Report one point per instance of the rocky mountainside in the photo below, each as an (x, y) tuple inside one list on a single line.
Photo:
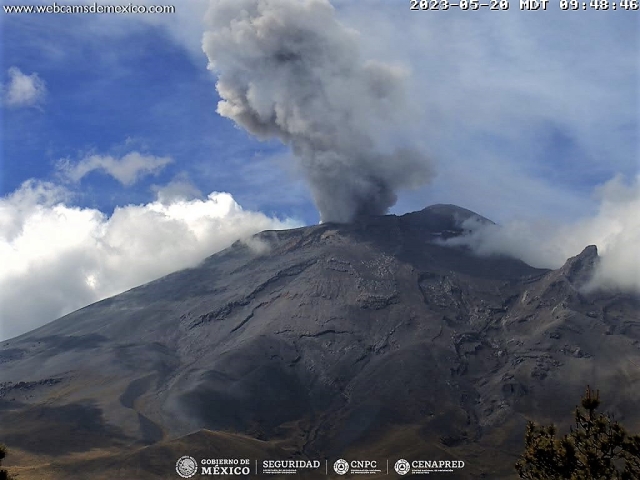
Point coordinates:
[(338, 340)]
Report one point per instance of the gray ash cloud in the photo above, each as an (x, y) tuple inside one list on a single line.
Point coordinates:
[(288, 69)]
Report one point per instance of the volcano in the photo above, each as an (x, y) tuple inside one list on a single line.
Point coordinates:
[(367, 340)]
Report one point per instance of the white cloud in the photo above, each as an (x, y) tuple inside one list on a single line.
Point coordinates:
[(614, 229), (127, 170), (23, 90), (57, 258), (178, 189)]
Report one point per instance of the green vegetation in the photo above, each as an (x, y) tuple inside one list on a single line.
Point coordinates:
[(598, 448), (3, 473)]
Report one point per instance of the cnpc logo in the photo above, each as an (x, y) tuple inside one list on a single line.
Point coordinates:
[(341, 466)]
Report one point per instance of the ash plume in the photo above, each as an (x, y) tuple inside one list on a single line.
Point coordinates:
[(288, 69)]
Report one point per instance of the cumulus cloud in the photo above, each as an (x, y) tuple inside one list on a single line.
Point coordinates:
[(127, 169), (178, 189), (288, 69), (23, 90), (614, 229), (57, 257)]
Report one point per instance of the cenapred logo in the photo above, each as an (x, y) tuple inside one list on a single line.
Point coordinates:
[(402, 467), (341, 466), (186, 466)]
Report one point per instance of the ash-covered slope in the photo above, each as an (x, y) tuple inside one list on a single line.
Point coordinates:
[(330, 340)]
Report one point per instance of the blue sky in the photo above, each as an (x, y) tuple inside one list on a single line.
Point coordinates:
[(525, 116), (110, 92)]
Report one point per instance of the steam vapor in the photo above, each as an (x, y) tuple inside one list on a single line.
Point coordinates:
[(289, 70), (614, 229)]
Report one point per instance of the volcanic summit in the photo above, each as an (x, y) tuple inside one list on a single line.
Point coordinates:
[(365, 339)]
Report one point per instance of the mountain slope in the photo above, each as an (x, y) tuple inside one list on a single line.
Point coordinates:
[(328, 341)]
